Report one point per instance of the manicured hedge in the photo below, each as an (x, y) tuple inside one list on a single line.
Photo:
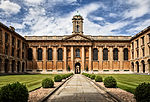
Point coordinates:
[(110, 82), (57, 78), (142, 92), (47, 83), (98, 78), (15, 92)]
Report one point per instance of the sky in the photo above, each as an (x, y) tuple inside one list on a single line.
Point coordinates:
[(54, 17)]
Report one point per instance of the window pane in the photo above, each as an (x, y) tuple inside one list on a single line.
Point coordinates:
[(105, 54), (115, 54), (49, 54), (125, 54), (95, 54), (77, 52)]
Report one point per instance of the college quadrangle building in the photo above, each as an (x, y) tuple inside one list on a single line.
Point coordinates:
[(77, 52)]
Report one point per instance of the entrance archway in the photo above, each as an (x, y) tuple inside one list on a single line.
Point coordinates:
[(149, 65), (6, 65), (77, 68), (143, 66), (132, 66), (18, 66), (23, 67), (13, 65), (137, 65)]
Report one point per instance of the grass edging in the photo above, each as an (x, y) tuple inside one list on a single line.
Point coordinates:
[(53, 91), (104, 89)]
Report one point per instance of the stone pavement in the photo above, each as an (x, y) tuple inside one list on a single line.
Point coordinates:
[(79, 89)]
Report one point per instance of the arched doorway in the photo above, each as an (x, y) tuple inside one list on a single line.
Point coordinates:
[(23, 67), (18, 66), (77, 68), (132, 66), (6, 65), (143, 66), (137, 65), (13, 65), (149, 66)]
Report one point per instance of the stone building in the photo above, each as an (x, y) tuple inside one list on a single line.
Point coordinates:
[(76, 52)]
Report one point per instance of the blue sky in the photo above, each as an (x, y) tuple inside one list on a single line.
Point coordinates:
[(53, 17)]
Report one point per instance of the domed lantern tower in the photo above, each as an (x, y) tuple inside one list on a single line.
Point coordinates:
[(77, 21)]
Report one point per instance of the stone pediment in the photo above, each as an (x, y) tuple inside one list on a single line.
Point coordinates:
[(77, 37)]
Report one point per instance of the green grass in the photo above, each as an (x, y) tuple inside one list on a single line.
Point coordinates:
[(128, 82), (32, 81)]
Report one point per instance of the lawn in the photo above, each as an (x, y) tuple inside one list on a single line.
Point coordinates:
[(128, 82), (32, 81)]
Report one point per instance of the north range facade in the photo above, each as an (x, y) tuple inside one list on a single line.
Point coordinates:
[(74, 53)]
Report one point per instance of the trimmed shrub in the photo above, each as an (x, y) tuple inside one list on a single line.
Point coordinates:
[(63, 76), (92, 76), (98, 78), (15, 92), (110, 82), (57, 78), (47, 83), (142, 92)]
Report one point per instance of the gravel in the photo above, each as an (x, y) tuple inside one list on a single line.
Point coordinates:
[(121, 94), (40, 93)]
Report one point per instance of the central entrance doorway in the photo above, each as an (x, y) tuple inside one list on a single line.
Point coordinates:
[(77, 68)]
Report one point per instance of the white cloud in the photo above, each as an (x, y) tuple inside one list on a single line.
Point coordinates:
[(9, 7), (139, 26), (138, 8), (112, 15), (109, 27), (43, 25), (34, 1), (98, 18)]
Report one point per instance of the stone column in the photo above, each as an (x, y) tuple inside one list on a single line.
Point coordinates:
[(34, 58), (83, 59), (110, 57), (90, 59), (3, 66), (10, 66), (10, 46), (100, 58), (65, 59), (146, 67), (21, 50), (121, 58), (16, 64), (72, 58), (44, 54), (55, 59), (140, 68)]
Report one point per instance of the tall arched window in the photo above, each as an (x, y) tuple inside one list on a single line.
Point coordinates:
[(95, 54), (39, 54), (105, 54), (115, 54), (30, 54), (50, 54), (125, 52), (60, 54), (77, 52)]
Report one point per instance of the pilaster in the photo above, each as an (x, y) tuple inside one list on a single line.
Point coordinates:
[(111, 56), (55, 58), (65, 59), (83, 59), (90, 58), (72, 58)]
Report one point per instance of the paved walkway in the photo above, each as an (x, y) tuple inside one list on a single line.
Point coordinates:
[(79, 89)]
